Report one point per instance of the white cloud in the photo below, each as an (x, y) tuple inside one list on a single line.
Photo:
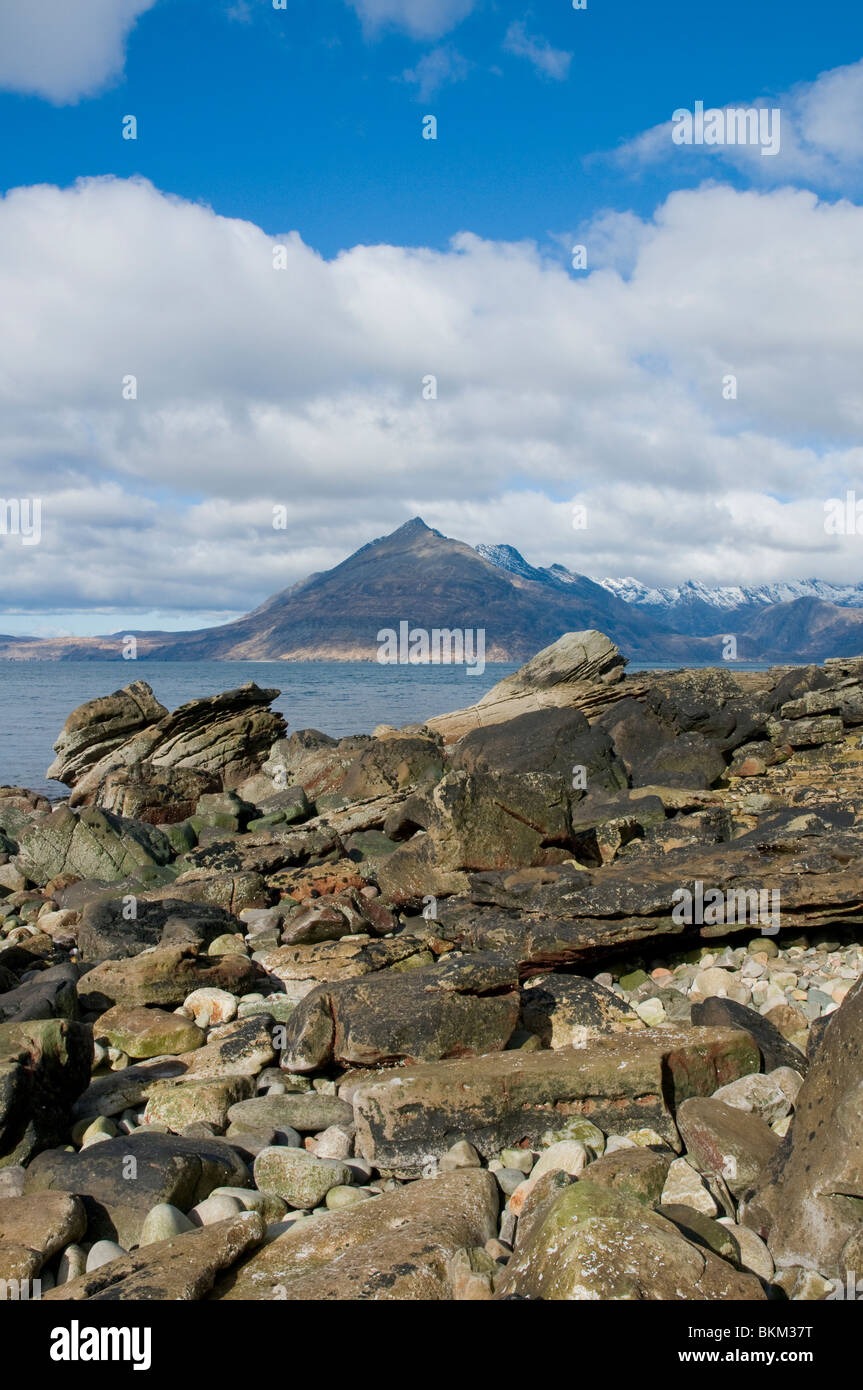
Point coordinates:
[(303, 387), (64, 49), (422, 19), (821, 137), (551, 62), (437, 69)]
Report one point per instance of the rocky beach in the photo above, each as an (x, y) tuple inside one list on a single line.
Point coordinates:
[(554, 997)]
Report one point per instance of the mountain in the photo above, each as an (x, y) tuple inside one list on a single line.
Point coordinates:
[(422, 578), (696, 608)]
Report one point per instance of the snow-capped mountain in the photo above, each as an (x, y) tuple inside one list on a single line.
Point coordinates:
[(733, 596), (804, 619)]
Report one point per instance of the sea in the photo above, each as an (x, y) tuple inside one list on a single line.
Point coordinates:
[(337, 697)]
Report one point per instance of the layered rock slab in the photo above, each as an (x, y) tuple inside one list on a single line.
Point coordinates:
[(411, 1118)]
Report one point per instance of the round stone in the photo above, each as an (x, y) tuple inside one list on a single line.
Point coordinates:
[(102, 1253), (214, 1209), (339, 1197), (72, 1263), (162, 1222)]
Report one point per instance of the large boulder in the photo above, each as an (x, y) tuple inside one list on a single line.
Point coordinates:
[(400, 1246), (566, 1010), (557, 741), (590, 1242), (50, 994), (124, 748), (776, 1050), (159, 795), (509, 1098), (480, 821), (579, 671), (455, 1009), (91, 844), (809, 1201), (116, 927), (121, 1180), (94, 729), (44, 1067), (726, 1141), (390, 764), (165, 976)]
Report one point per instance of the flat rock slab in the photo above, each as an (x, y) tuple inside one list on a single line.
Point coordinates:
[(395, 1247), (300, 968), (183, 1268), (495, 1102), (119, 1181)]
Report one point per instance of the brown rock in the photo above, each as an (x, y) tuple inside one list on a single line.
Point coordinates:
[(183, 1268), (499, 1101), (396, 1247)]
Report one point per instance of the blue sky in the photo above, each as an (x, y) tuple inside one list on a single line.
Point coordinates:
[(303, 127), (302, 118)]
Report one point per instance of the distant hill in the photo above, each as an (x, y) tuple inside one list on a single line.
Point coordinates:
[(418, 576)]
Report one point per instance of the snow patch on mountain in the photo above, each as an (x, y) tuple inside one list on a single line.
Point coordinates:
[(732, 596)]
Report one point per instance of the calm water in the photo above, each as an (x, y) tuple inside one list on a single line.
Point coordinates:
[(338, 697)]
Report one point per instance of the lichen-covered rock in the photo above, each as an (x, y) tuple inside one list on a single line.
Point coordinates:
[(500, 1100), (183, 1267), (809, 1202), (300, 1178), (91, 844), (455, 1009), (592, 1242), (44, 1066), (397, 1247), (566, 1010)]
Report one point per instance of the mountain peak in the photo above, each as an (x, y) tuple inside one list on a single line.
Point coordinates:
[(415, 527)]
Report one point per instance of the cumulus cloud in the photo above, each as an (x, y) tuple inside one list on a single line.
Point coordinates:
[(422, 19), (302, 387), (61, 50), (821, 127), (437, 69), (551, 62)]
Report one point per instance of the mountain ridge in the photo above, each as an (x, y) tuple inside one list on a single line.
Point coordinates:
[(416, 575)]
